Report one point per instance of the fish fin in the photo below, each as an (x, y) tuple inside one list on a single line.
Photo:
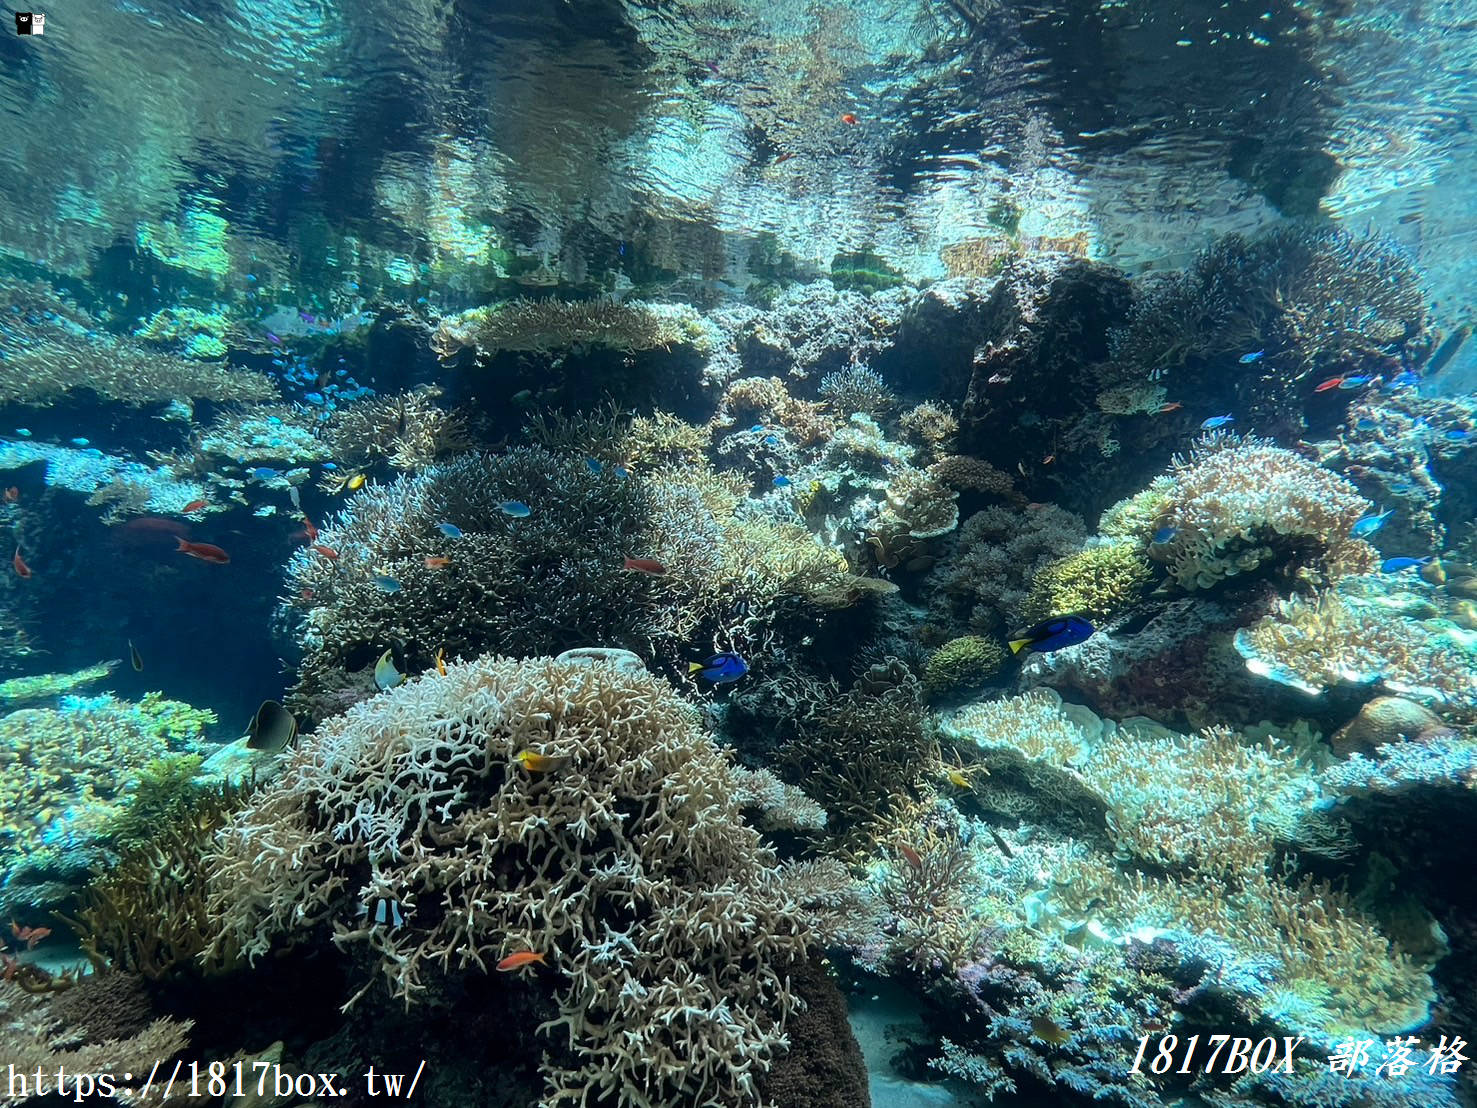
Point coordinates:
[(694, 667), (1017, 645)]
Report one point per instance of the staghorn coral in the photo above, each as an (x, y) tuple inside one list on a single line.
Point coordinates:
[(52, 348), (1100, 582), (666, 925), (857, 388), (91, 471), (525, 324), (97, 1027), (1320, 300), (959, 471), (409, 430), (145, 912), (1241, 505), (962, 663), (65, 772)]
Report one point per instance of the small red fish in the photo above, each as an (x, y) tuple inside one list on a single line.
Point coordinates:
[(204, 551), (29, 935), (12, 494), (309, 530), (914, 858), (194, 506), (21, 569), (1170, 406), (327, 551), (646, 565), (783, 158), (1331, 383), (436, 561), (521, 959), (305, 594), (850, 117)]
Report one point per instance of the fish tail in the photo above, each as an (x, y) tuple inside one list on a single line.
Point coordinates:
[(1017, 645), (694, 667), (182, 544)]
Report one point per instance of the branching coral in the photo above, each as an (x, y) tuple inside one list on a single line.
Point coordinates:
[(665, 925), (857, 388), (556, 324), (984, 586), (65, 771), (767, 401), (932, 423), (1316, 299), (52, 348), (958, 471), (1100, 582), (1238, 506), (79, 1033), (409, 430)]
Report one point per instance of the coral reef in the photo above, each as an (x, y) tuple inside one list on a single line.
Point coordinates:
[(67, 770), (125, 487), (665, 926), (45, 686), (555, 324), (52, 348), (857, 388), (409, 430), (1243, 505), (1319, 301)]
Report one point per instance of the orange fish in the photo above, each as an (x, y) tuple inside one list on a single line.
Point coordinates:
[(21, 569), (204, 551), (521, 959), (309, 530), (851, 118), (327, 551), (646, 565), (782, 158), (1170, 406), (194, 506), (12, 494), (440, 663), (914, 858), (436, 561), (538, 763), (1331, 383), (29, 935)]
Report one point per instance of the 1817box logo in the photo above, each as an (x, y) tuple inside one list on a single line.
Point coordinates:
[(30, 23)]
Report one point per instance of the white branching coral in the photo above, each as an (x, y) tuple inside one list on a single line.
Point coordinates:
[(667, 928)]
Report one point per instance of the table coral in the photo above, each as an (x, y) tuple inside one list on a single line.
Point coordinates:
[(42, 686), (666, 925), (525, 324)]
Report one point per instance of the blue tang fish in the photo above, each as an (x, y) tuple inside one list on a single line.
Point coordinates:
[(515, 508), (1053, 634), (450, 530), (1254, 356), (1370, 524), (721, 669), (1217, 421), (1396, 565), (782, 482)]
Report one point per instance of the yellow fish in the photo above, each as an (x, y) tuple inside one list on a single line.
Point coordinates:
[(355, 482), (441, 665), (958, 779), (386, 676), (538, 763), (1048, 1030)]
